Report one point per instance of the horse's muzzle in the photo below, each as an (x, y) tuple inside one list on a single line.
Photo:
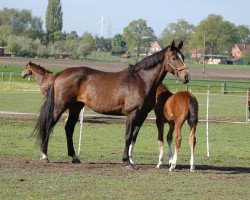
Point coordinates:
[(187, 78)]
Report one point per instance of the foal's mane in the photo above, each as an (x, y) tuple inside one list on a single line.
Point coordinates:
[(39, 68), (150, 61)]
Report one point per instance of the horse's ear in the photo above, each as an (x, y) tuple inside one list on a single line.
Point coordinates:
[(30, 62), (172, 46), (180, 45)]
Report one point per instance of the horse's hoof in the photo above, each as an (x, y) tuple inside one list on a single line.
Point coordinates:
[(45, 160), (76, 161), (158, 166), (192, 169), (129, 165), (171, 168)]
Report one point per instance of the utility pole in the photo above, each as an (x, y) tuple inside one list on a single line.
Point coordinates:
[(102, 27), (204, 46)]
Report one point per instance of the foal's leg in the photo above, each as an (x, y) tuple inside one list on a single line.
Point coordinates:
[(160, 128), (170, 140), (69, 128), (192, 142), (177, 145)]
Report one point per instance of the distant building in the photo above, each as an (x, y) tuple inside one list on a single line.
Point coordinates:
[(196, 53), (238, 50), (155, 47), (215, 59)]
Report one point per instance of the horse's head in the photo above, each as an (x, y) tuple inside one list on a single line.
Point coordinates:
[(27, 71), (174, 63)]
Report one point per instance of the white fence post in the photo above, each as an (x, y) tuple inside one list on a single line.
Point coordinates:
[(247, 109), (81, 126), (207, 124)]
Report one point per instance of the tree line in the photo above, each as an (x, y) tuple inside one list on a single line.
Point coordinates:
[(22, 34)]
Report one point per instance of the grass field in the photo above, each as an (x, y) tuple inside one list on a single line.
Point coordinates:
[(24, 96), (225, 175)]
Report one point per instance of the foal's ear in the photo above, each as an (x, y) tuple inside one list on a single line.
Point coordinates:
[(172, 46), (180, 45)]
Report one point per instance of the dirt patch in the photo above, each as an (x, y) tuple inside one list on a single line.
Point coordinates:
[(66, 166)]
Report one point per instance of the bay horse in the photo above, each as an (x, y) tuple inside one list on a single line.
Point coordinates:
[(130, 92), (43, 76), (175, 109)]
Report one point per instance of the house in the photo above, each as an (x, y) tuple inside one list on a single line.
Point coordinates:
[(196, 53), (155, 47), (238, 50), (237, 53)]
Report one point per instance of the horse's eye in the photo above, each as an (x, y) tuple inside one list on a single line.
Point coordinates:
[(174, 58)]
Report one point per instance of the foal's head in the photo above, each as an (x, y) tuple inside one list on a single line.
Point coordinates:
[(27, 71), (174, 62)]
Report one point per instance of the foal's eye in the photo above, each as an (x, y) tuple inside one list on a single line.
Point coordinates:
[(174, 58)]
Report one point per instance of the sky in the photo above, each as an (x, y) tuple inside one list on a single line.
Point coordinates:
[(86, 15)]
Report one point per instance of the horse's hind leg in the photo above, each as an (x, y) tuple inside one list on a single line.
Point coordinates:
[(160, 128), (177, 145), (69, 128), (169, 141), (192, 142)]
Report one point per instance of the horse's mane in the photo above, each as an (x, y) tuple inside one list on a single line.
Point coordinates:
[(39, 68), (150, 61)]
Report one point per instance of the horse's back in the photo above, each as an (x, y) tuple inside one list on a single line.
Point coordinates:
[(103, 92), (177, 107)]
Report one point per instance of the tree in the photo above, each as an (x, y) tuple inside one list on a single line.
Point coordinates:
[(54, 21), (219, 35), (180, 31), (5, 32), (86, 45), (22, 22), (102, 44), (243, 33), (138, 36), (118, 43), (246, 57)]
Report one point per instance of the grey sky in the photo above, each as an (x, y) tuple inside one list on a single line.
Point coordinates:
[(86, 15)]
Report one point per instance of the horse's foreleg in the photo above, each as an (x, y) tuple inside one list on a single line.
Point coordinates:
[(131, 146), (160, 128), (177, 146), (130, 129), (169, 141), (69, 128), (192, 142)]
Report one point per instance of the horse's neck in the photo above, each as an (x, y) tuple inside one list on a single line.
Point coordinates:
[(38, 74), (153, 77)]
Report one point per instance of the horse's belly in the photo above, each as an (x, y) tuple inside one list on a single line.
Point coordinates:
[(106, 106)]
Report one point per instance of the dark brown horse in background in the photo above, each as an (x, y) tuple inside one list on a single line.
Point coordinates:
[(130, 92), (175, 109), (43, 76)]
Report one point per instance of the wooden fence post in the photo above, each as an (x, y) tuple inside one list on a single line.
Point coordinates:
[(223, 87)]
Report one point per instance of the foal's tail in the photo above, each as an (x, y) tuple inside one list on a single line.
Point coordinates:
[(46, 121), (193, 111)]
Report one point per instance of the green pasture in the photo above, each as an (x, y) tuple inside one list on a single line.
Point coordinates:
[(25, 96), (101, 175)]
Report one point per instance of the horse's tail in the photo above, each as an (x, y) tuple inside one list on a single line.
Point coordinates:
[(193, 110), (46, 121)]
